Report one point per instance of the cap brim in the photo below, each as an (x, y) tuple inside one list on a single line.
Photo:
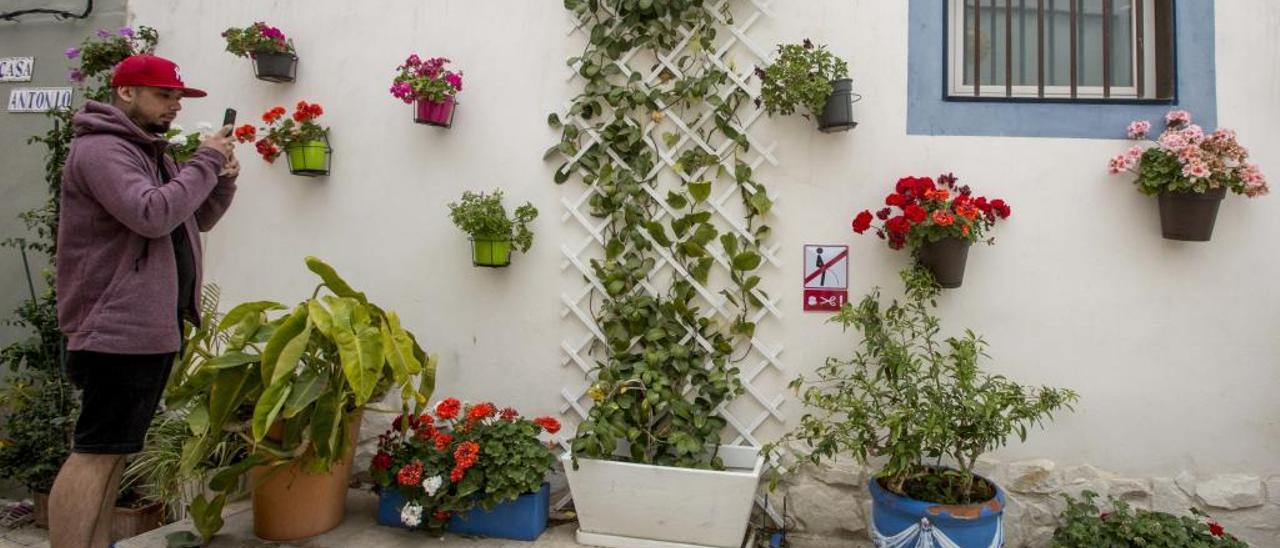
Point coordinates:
[(192, 92)]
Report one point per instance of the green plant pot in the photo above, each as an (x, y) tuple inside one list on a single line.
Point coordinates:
[(490, 253), (310, 158)]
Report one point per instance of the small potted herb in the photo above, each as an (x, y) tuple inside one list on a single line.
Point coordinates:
[(1190, 172), (936, 222), (808, 76), (492, 232), (305, 142), (430, 87), (1084, 525), (274, 58)]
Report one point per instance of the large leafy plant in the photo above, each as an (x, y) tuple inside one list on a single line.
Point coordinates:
[(1085, 526), (665, 364), (800, 76), (287, 386), (920, 403), (459, 457), (483, 217)]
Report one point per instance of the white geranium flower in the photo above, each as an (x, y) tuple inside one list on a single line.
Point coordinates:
[(432, 484), (178, 139), (411, 515)]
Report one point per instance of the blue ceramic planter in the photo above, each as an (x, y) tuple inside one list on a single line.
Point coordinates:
[(522, 519), (902, 522)]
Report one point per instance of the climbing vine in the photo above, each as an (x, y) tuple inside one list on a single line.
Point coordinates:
[(667, 365)]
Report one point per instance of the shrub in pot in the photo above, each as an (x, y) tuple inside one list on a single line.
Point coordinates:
[(1190, 172), (922, 407), (936, 222), (470, 469), (428, 86), (493, 232), (292, 389), (809, 77), (1084, 525), (274, 59), (304, 142)]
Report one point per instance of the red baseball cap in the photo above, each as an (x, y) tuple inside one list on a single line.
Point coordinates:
[(152, 71)]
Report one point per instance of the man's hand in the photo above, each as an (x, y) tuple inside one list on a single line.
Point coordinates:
[(221, 142), (231, 168)]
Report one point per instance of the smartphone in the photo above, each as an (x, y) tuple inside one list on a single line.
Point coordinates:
[(229, 118)]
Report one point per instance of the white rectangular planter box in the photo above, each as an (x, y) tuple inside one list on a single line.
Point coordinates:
[(639, 505)]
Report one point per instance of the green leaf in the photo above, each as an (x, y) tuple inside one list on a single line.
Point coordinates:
[(237, 314), (207, 515), (228, 393), (183, 539), (761, 203), (326, 424), (334, 282), (359, 348), (198, 419), (269, 406), (553, 120), (730, 243), (676, 201), (320, 317), (700, 190), (399, 347), (291, 335), (229, 360), (562, 173), (746, 261), (658, 232), (306, 389), (670, 139)]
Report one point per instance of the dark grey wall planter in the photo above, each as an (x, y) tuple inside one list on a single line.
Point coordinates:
[(945, 259), (275, 67), (838, 114), (1189, 216)]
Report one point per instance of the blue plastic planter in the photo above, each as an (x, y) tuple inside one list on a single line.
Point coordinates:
[(522, 519), (902, 522)]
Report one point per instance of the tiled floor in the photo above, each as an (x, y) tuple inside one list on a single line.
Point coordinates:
[(23, 537)]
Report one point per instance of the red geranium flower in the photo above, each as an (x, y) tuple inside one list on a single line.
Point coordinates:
[(509, 414), (898, 225), (443, 440), (481, 411), (410, 474), (1002, 209), (246, 133), (915, 213), (448, 408), (862, 222), (441, 516), (895, 200), (942, 218), (426, 430), (381, 461), (1216, 529), (549, 424), (884, 214)]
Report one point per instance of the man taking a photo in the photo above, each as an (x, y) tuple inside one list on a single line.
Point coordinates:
[(129, 271)]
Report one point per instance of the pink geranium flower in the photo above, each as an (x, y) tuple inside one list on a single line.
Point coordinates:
[(1139, 129)]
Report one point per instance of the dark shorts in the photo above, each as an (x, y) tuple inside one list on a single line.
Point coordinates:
[(121, 394)]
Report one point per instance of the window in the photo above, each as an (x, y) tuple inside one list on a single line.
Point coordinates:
[(1060, 50)]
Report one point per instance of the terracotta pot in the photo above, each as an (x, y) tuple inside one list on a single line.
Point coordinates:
[(289, 503), (131, 522), (945, 258), (1189, 216), (41, 510)]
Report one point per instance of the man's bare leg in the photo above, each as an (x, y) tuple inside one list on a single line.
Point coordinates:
[(84, 485), (107, 512)]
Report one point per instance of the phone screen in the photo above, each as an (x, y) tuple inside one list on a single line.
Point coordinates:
[(229, 118)]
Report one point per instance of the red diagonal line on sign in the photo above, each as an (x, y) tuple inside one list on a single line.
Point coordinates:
[(826, 266)]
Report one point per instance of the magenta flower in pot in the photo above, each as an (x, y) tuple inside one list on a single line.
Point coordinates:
[(430, 87)]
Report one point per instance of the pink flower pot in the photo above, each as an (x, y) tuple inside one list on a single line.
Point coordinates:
[(434, 113)]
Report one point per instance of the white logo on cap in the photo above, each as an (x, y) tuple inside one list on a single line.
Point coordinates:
[(177, 74)]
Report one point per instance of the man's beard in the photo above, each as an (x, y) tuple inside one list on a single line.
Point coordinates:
[(158, 128)]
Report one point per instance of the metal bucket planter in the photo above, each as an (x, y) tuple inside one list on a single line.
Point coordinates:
[(899, 521), (1189, 216), (522, 519), (310, 158), (838, 114), (434, 113), (946, 259), (275, 67), (491, 252)]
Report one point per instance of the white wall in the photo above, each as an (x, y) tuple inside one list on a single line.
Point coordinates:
[(1173, 346)]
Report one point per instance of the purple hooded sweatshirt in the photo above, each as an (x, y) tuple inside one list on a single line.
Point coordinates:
[(117, 272)]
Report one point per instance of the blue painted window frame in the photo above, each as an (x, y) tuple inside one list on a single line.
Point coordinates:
[(931, 112)]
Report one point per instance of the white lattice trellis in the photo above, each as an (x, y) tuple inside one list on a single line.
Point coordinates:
[(760, 355)]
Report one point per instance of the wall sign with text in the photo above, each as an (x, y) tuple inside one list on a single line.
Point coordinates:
[(16, 69), (38, 99), (826, 277)]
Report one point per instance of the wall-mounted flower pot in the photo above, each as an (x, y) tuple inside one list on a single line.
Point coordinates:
[(945, 258), (434, 113), (838, 114), (1189, 216), (310, 158), (897, 520), (275, 67), (623, 504), (522, 519), (491, 253), (290, 503)]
